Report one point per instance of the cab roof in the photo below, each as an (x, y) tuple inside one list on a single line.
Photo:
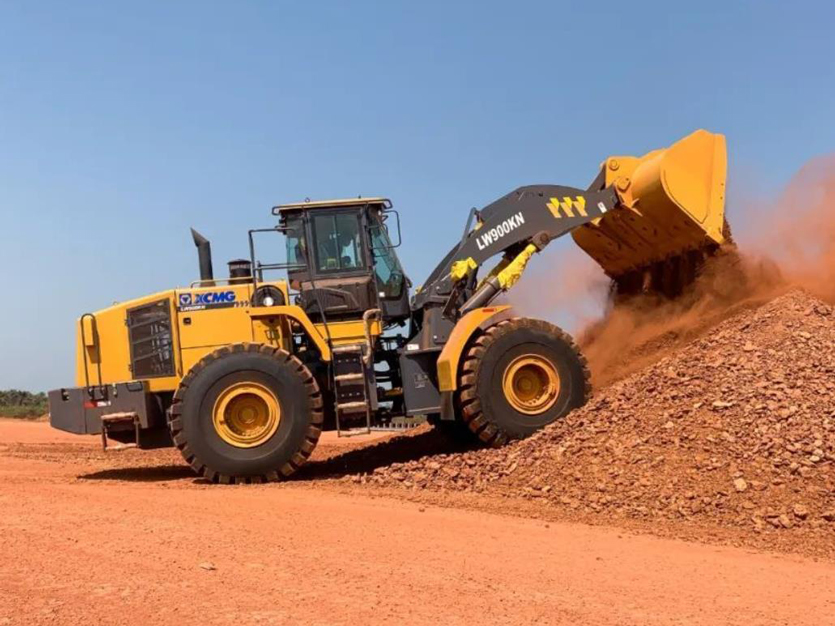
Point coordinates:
[(329, 204)]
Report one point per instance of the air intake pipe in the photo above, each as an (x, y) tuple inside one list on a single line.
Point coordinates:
[(240, 270), (204, 254)]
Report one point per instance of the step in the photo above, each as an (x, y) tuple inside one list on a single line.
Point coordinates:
[(344, 378), (353, 432), (350, 348), (119, 417), (119, 447), (352, 407), (109, 419)]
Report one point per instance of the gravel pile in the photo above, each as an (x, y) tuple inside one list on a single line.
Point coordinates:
[(736, 429)]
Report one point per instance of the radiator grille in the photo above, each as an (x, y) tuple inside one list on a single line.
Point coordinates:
[(151, 347)]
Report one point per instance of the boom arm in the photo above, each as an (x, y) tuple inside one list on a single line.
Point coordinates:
[(519, 224)]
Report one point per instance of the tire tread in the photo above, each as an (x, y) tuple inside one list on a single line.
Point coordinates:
[(469, 404)]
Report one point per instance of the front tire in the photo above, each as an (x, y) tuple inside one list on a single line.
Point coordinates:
[(518, 376), (246, 413)]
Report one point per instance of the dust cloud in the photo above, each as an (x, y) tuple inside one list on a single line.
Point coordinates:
[(798, 230), (784, 243)]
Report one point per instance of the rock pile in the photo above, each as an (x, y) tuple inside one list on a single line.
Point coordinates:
[(737, 429)]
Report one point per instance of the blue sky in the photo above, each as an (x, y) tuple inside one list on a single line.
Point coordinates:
[(122, 124)]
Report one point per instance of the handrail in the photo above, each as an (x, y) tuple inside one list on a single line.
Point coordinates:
[(369, 317), (229, 281), (95, 328)]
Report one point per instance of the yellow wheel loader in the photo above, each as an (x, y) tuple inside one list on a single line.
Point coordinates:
[(243, 373)]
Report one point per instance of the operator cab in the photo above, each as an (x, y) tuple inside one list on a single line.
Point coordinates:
[(341, 259)]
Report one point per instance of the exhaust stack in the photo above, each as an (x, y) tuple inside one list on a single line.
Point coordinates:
[(204, 254)]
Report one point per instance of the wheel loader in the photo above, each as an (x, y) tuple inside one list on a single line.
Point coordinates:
[(243, 373)]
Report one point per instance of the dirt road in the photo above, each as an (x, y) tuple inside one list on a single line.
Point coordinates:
[(83, 543)]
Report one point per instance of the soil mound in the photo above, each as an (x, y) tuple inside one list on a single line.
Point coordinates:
[(736, 428)]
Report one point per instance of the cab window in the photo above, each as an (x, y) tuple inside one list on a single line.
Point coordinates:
[(338, 243), (295, 241)]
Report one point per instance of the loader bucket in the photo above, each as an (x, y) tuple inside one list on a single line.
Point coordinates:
[(673, 206)]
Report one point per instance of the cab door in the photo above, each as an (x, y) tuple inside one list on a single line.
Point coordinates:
[(391, 282), (340, 281)]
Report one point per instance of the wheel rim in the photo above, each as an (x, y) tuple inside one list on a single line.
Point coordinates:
[(531, 384), (246, 415)]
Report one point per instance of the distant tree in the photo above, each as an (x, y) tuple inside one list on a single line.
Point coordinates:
[(18, 403)]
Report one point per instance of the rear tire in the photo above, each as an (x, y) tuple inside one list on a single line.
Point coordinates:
[(246, 413), (519, 376)]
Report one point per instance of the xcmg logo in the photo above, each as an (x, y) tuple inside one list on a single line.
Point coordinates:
[(209, 298)]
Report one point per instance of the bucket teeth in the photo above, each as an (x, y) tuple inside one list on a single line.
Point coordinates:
[(672, 276)]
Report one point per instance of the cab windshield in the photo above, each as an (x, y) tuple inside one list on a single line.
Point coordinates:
[(338, 242)]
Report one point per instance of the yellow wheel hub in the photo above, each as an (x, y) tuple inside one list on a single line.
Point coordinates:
[(246, 415), (531, 384)]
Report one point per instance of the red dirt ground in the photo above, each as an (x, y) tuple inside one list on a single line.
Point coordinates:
[(88, 538)]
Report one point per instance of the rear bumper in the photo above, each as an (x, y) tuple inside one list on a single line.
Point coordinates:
[(79, 409)]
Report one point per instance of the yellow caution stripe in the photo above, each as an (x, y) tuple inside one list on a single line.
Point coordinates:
[(567, 206)]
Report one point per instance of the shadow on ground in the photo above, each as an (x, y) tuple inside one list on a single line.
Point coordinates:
[(158, 473), (396, 450), (360, 460)]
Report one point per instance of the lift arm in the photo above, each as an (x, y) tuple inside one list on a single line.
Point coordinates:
[(517, 225)]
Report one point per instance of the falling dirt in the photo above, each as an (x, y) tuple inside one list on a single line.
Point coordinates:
[(785, 243), (642, 330)]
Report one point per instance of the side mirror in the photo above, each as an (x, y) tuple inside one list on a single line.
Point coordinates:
[(386, 214)]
